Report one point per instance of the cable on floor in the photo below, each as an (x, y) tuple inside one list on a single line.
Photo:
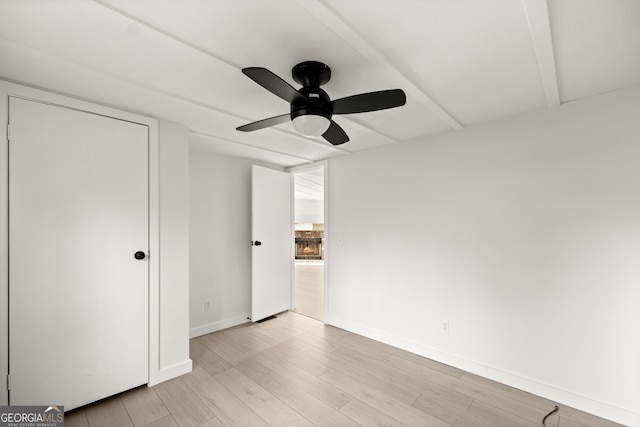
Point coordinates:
[(544, 420)]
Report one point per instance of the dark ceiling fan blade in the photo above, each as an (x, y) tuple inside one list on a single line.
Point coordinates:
[(335, 134), (261, 124), (370, 101), (272, 83)]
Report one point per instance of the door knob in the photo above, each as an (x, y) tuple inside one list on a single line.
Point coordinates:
[(256, 243), (139, 255)]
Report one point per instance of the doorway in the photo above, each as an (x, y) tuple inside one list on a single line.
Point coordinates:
[(309, 253), (271, 243)]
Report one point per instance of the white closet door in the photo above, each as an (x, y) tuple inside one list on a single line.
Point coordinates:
[(78, 212), (271, 254)]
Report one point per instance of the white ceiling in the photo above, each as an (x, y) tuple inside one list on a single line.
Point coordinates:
[(309, 185), (460, 62)]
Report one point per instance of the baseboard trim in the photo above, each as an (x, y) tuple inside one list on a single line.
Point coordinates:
[(219, 325), (170, 372), (568, 398)]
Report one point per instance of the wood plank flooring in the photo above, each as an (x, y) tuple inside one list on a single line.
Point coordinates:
[(309, 289), (295, 371)]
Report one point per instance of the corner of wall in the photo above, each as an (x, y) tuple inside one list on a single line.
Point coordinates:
[(219, 325), (220, 222), (174, 251), (4, 291)]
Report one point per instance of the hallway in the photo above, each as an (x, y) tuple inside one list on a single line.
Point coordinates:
[(309, 289)]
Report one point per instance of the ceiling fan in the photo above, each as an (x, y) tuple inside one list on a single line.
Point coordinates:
[(311, 107)]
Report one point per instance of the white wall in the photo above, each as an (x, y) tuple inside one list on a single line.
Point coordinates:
[(220, 215), (174, 249), (523, 234)]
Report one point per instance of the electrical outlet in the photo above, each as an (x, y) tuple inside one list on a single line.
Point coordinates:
[(207, 304), (445, 327)]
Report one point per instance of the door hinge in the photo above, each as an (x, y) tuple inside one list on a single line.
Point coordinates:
[(8, 382), (8, 132)]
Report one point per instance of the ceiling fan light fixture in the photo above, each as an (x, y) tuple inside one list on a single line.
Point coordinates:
[(311, 125), (311, 107)]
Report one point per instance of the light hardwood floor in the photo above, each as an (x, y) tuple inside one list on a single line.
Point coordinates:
[(295, 371), (309, 289)]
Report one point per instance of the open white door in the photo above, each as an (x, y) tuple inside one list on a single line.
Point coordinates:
[(271, 228), (78, 239)]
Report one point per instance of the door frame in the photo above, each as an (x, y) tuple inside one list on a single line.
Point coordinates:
[(324, 164), (16, 90)]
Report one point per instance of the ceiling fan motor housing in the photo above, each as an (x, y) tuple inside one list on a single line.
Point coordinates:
[(315, 102)]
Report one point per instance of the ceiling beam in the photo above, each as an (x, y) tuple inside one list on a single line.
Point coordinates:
[(354, 123), (119, 78), (230, 142), (359, 123), (540, 28), (345, 31), (126, 81), (217, 61)]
